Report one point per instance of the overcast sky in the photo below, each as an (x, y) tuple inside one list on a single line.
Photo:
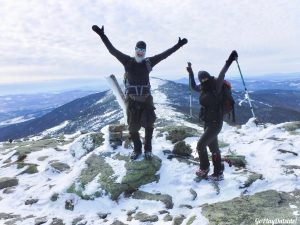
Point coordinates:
[(52, 39)]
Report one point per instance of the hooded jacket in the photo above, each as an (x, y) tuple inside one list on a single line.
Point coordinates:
[(210, 95)]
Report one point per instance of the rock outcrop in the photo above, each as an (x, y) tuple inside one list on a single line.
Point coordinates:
[(103, 168), (247, 209)]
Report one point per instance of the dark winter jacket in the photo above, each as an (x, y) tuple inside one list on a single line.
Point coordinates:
[(137, 73), (210, 99)]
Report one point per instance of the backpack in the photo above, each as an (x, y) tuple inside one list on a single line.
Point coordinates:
[(228, 101)]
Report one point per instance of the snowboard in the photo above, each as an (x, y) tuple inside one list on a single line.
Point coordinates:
[(117, 91)]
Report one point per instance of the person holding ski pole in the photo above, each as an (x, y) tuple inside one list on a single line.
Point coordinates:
[(210, 99), (139, 101)]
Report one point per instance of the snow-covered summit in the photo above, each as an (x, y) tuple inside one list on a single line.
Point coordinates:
[(42, 176)]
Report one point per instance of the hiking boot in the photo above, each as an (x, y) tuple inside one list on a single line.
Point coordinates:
[(218, 173), (137, 145), (134, 155), (202, 173), (216, 176), (148, 155)]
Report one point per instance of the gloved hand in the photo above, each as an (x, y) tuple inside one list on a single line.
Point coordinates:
[(189, 68), (182, 42), (99, 31), (233, 56)]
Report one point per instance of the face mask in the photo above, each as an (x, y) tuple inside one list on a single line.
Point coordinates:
[(139, 54), (205, 86)]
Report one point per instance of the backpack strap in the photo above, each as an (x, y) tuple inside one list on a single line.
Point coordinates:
[(148, 65), (138, 89)]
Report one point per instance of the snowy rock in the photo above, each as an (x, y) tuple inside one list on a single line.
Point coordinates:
[(69, 205), (163, 212), (6, 216), (8, 182), (178, 220), (129, 218), (140, 172), (115, 136), (181, 148), (166, 199), (179, 133), (26, 147), (144, 217), (130, 212), (244, 210), (31, 168), (115, 175), (86, 144), (42, 158), (191, 220), (185, 206), (167, 218), (167, 152), (117, 222), (31, 201), (290, 169), (40, 220), (102, 215), (9, 190), (194, 194), (54, 197), (235, 160), (116, 127), (291, 127), (13, 221), (79, 221), (251, 179), (286, 151), (57, 221), (21, 157), (59, 166)]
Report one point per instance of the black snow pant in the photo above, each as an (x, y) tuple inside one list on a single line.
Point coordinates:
[(210, 139), (141, 114)]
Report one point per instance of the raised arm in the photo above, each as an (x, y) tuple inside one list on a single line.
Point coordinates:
[(233, 56), (115, 52), (192, 79), (157, 58)]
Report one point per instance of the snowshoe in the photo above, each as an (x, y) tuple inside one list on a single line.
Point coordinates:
[(148, 155), (134, 155)]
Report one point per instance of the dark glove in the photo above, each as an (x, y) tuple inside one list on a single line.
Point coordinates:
[(98, 30), (182, 42), (189, 68), (233, 56)]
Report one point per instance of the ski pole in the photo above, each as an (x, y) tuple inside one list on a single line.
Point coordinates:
[(246, 91), (191, 113)]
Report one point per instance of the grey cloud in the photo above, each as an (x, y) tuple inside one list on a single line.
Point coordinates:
[(58, 34)]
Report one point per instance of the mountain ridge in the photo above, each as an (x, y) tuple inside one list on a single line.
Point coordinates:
[(85, 114)]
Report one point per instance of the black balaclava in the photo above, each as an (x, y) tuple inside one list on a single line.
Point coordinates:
[(206, 85), (140, 51)]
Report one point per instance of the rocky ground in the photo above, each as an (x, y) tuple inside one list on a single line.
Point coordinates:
[(84, 179)]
